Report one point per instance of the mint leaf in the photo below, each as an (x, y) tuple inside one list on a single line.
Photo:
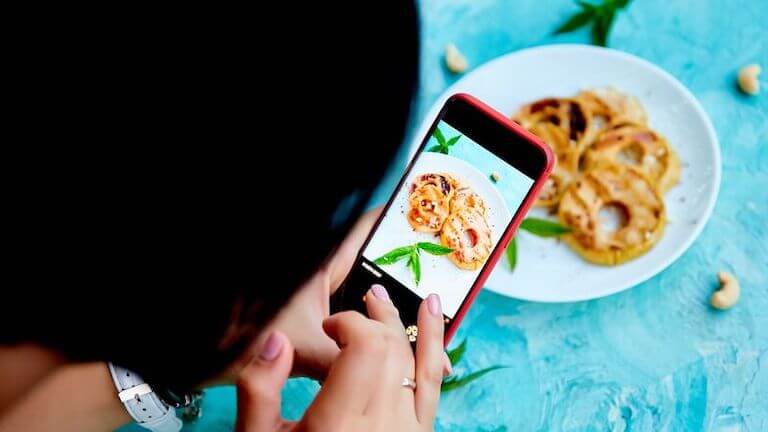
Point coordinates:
[(576, 21), (602, 26), (394, 255), (457, 353), (438, 134), (600, 15), (435, 149), (454, 383), (512, 254), (434, 249), (543, 227), (452, 141)]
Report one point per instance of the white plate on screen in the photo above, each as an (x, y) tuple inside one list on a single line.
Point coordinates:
[(438, 274), (548, 271)]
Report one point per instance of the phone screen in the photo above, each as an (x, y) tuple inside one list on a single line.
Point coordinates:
[(445, 220)]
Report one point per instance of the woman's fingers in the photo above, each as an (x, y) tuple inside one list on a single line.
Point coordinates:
[(260, 383), (344, 257), (447, 367), (354, 375), (430, 356), (364, 386), (380, 308), (398, 363)]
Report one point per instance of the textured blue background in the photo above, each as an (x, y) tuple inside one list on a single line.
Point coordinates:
[(655, 357)]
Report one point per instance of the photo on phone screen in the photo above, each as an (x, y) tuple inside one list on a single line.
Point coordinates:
[(447, 218)]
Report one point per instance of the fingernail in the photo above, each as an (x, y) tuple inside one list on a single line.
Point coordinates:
[(433, 303), (271, 348), (380, 292)]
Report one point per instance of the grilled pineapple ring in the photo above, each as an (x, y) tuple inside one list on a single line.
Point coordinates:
[(563, 124), (637, 146), (612, 185), (613, 105), (554, 187)]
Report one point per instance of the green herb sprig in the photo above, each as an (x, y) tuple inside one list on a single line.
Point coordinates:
[(455, 382), (412, 253), (600, 15), (443, 145), (538, 227)]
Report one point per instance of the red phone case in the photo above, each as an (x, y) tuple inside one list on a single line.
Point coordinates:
[(512, 228), (524, 206)]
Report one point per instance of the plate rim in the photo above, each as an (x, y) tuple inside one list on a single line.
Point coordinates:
[(641, 63)]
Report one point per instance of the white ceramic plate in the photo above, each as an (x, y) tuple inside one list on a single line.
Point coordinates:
[(548, 271), (438, 274)]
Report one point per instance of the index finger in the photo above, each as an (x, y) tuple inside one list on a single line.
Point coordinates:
[(352, 377)]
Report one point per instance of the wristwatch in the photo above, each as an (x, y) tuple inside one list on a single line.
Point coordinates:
[(153, 410)]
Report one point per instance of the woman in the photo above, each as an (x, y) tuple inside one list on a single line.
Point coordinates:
[(184, 231)]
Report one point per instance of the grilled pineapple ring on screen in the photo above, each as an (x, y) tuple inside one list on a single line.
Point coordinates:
[(637, 146), (563, 125), (466, 198), (429, 202), (619, 186), (466, 231)]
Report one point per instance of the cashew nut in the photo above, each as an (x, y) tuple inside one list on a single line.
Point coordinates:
[(728, 294), (455, 61), (748, 79)]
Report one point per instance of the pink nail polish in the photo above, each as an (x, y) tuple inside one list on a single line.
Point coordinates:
[(380, 292), (433, 303), (271, 348)]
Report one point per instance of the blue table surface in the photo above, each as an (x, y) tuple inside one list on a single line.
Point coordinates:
[(652, 358)]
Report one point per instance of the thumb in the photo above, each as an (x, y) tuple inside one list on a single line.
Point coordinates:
[(260, 383)]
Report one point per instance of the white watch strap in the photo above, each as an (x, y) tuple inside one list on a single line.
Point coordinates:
[(142, 403)]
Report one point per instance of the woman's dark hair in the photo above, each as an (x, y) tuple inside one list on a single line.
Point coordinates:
[(173, 176)]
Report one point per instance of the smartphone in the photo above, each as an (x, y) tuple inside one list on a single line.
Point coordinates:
[(460, 201)]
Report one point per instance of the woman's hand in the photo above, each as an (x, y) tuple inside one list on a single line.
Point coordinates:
[(301, 319), (363, 389)]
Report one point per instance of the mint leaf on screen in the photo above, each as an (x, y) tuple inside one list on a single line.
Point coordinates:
[(543, 227), (415, 265), (433, 248), (438, 134), (394, 255), (452, 141)]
